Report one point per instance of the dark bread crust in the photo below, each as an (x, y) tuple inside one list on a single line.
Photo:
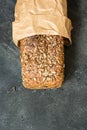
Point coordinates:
[(42, 60)]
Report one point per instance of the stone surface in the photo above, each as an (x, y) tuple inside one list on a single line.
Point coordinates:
[(58, 109)]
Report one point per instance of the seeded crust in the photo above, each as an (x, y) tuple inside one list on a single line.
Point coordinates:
[(42, 61)]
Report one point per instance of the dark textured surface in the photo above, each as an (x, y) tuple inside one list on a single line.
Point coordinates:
[(58, 109)]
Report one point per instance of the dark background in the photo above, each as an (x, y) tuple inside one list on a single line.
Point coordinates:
[(58, 109)]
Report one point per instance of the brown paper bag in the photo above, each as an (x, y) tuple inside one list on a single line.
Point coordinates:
[(41, 17)]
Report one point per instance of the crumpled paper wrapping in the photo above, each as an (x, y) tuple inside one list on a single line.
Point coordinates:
[(41, 17)]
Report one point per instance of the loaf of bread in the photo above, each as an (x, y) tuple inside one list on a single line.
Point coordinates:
[(42, 60)]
